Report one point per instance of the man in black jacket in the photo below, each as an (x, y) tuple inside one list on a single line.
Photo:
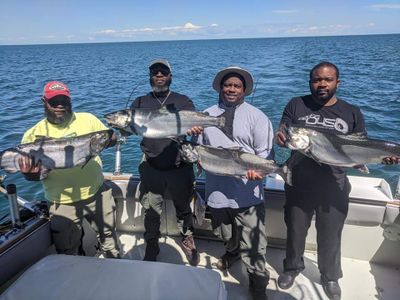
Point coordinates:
[(162, 173)]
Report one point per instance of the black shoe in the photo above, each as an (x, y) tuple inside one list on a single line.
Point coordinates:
[(257, 286), (258, 295), (190, 250), (286, 280), (152, 250), (227, 260), (331, 288)]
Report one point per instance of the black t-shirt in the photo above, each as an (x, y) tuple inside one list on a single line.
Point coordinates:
[(162, 154), (340, 118)]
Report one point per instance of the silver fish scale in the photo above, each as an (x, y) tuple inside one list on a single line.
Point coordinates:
[(156, 124)]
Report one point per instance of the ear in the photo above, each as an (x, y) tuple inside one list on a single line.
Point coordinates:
[(338, 82)]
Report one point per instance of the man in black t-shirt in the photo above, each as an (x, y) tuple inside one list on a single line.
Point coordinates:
[(318, 188), (162, 173)]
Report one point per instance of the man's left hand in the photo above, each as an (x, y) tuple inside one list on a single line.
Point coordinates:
[(195, 130), (253, 175), (391, 160)]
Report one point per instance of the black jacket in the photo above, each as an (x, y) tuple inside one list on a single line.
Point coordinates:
[(162, 154)]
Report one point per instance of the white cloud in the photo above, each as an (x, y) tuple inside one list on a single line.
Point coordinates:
[(106, 31), (171, 30), (385, 6), (285, 11)]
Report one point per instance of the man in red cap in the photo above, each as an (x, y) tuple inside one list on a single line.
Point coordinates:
[(79, 199)]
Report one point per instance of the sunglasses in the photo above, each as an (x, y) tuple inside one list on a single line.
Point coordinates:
[(57, 101), (155, 72)]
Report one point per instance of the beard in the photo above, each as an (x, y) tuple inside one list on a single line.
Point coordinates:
[(159, 89), (322, 99), (53, 119)]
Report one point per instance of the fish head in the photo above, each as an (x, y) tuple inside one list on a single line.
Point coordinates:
[(119, 119), (189, 152), (100, 140), (298, 138)]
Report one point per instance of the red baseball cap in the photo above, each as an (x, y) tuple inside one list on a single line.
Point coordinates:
[(55, 88)]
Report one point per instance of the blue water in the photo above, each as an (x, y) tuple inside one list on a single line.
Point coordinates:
[(102, 76)]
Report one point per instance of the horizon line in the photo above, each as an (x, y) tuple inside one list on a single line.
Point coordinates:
[(205, 39)]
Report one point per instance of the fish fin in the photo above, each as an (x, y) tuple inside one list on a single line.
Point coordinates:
[(42, 138), (235, 148), (169, 108), (124, 132), (44, 173), (362, 168), (358, 136), (227, 124), (286, 173)]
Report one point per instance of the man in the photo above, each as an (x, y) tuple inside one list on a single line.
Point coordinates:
[(79, 199), (162, 173), (318, 188), (237, 204)]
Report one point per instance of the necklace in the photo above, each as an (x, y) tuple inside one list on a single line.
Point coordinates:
[(165, 99)]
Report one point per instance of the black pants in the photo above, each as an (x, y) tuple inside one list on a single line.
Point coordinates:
[(155, 186), (330, 209), (243, 231)]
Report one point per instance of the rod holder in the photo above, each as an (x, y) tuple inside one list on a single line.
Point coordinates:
[(14, 210), (118, 157)]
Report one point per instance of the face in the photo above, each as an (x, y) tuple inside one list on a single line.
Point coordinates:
[(232, 90), (58, 110), (323, 84), (160, 78)]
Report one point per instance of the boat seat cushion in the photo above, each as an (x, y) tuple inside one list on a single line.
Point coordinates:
[(78, 277)]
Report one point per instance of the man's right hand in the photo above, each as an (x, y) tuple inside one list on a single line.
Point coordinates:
[(31, 170), (280, 136)]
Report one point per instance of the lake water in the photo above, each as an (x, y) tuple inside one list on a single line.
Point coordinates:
[(102, 76)]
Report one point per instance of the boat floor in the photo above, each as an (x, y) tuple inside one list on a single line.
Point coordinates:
[(362, 279)]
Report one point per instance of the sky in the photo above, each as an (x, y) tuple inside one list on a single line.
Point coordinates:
[(90, 21)]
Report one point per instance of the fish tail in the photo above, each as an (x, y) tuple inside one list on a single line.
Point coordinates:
[(286, 173), (222, 122), (226, 125)]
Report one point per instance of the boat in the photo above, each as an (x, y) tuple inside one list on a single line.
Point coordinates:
[(30, 269)]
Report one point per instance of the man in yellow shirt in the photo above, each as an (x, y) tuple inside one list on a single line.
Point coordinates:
[(77, 196)]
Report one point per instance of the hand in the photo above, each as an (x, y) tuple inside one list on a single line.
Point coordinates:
[(28, 166), (391, 160), (195, 130), (280, 136), (253, 175)]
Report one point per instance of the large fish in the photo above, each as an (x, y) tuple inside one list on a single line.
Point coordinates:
[(163, 123), (57, 153), (231, 161), (353, 150)]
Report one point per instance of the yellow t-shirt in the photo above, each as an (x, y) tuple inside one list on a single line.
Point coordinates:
[(74, 184)]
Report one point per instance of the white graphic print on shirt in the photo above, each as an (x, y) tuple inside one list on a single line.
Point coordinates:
[(318, 120)]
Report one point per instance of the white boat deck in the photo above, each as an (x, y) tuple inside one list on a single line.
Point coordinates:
[(362, 280)]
